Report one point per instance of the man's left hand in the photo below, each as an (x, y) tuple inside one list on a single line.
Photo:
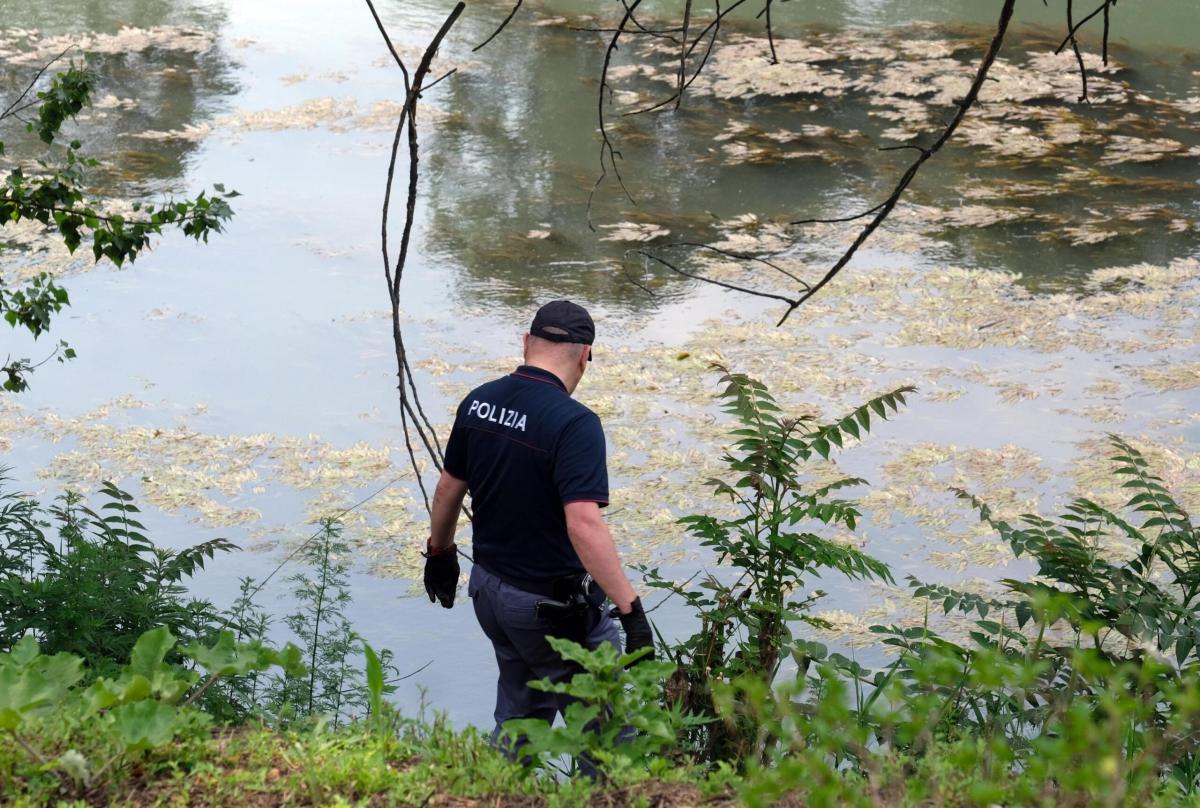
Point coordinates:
[(638, 634), (441, 575)]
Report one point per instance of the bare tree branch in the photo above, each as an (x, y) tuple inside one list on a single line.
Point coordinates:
[(741, 256), (792, 303), (1074, 29), (683, 54), (888, 204), (1083, 96), (606, 147), (409, 414), (516, 7)]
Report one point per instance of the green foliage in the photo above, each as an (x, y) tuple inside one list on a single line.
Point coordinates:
[(1090, 631), (101, 585), (615, 721), (146, 706), (52, 191), (822, 746), (746, 615), (69, 92), (333, 686)]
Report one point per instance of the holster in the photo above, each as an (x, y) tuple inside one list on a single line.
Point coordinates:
[(575, 609)]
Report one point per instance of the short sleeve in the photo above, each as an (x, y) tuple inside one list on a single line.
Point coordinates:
[(455, 460), (580, 467)]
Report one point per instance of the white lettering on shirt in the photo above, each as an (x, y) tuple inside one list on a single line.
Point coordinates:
[(487, 411)]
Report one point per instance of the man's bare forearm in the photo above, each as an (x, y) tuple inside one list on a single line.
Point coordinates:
[(443, 516), (594, 545)]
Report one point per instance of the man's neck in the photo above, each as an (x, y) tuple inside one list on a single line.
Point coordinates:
[(555, 372)]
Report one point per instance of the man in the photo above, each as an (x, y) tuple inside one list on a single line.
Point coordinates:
[(533, 460)]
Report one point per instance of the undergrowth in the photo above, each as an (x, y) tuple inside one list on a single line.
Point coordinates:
[(1077, 686)]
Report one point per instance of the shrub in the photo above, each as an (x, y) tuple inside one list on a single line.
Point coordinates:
[(747, 613), (101, 585)]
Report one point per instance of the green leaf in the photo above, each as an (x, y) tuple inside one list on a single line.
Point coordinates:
[(374, 679), (145, 724), (150, 651)]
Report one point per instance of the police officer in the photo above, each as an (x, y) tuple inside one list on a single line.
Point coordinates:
[(533, 460)]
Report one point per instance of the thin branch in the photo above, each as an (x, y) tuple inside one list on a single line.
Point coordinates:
[(392, 48), (738, 255), (516, 7), (884, 209), (1074, 29), (660, 32), (713, 28), (393, 273), (840, 219), (733, 287), (606, 146), (1083, 96), (1104, 46), (629, 277), (770, 33), (683, 54), (439, 79), (8, 111)]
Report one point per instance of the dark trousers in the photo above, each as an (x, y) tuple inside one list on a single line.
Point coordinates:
[(506, 615)]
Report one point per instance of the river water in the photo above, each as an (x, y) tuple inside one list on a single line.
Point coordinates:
[(1038, 285)]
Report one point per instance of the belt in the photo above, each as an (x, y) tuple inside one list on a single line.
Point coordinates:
[(546, 589)]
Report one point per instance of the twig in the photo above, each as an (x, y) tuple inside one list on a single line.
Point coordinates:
[(770, 33), (714, 28), (606, 146), (1104, 42), (734, 287), (393, 273), (839, 219), (33, 82), (1083, 96), (516, 7), (1074, 29), (738, 255), (683, 53), (629, 277)]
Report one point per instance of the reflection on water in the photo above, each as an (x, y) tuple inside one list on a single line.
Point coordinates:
[(147, 86), (263, 356)]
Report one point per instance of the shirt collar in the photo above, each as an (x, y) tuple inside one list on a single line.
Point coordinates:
[(539, 375)]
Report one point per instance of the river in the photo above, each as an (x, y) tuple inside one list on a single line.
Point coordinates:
[(1039, 284)]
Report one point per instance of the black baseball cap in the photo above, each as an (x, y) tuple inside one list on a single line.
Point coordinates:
[(564, 321)]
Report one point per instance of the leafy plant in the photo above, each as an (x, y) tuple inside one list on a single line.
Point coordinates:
[(615, 723), (142, 708), (101, 585), (52, 192), (333, 686), (1096, 636), (746, 614)]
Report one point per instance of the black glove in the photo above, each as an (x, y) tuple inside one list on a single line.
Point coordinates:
[(441, 575), (638, 634)]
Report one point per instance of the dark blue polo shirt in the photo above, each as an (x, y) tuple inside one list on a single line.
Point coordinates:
[(525, 448)]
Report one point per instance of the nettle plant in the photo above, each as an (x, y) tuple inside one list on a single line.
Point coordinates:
[(769, 551)]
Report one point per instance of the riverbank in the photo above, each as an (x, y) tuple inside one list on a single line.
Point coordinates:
[(431, 765)]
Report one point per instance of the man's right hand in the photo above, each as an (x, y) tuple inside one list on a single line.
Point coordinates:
[(638, 633), (441, 575)]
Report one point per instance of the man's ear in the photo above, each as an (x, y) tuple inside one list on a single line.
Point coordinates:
[(584, 356), (525, 346)]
